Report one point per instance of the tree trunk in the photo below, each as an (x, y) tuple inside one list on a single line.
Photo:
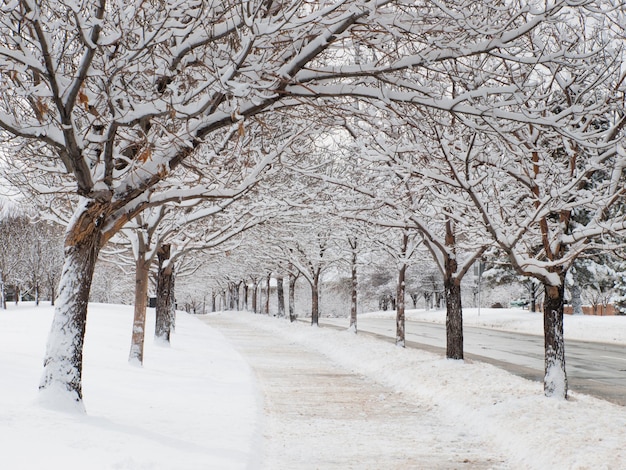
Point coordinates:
[(353, 285), (439, 296), (245, 296), (51, 284), (230, 299), (454, 319), (163, 296), (255, 296), (555, 380), (533, 297), (292, 297), (63, 363), (400, 295), (280, 292), (577, 303), (315, 298), (142, 270), (172, 305), (3, 294), (267, 296)]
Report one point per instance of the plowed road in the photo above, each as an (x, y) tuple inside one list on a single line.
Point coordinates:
[(597, 369)]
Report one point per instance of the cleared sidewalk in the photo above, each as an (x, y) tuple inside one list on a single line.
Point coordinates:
[(319, 415)]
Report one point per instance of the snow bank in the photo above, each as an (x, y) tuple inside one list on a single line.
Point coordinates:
[(609, 329), (194, 405)]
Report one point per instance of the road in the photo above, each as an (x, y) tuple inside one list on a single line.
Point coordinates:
[(597, 369)]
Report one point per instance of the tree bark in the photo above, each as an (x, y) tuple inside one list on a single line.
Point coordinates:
[(454, 319), (400, 304), (267, 296), (280, 292), (452, 298), (292, 297), (163, 296), (51, 284), (172, 305), (353, 285), (533, 297), (255, 296), (315, 299), (245, 296), (3, 294), (555, 379), (142, 269), (63, 361)]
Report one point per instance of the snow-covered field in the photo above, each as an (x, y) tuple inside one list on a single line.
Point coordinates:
[(196, 404), (192, 406)]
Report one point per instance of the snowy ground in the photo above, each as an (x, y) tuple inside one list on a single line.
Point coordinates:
[(192, 406), (198, 405)]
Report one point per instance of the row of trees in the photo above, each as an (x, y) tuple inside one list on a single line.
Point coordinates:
[(467, 127), (31, 255)]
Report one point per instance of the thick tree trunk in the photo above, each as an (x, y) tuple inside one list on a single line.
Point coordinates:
[(63, 363), (245, 296), (315, 300), (400, 304), (280, 293), (454, 319), (142, 269), (353, 285), (555, 379), (292, 297), (164, 298)]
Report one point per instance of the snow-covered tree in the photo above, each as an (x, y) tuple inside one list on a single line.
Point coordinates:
[(122, 105), (30, 253)]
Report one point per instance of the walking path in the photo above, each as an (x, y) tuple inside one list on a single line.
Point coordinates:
[(319, 415)]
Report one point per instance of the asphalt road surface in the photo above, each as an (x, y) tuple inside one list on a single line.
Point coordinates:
[(597, 369)]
